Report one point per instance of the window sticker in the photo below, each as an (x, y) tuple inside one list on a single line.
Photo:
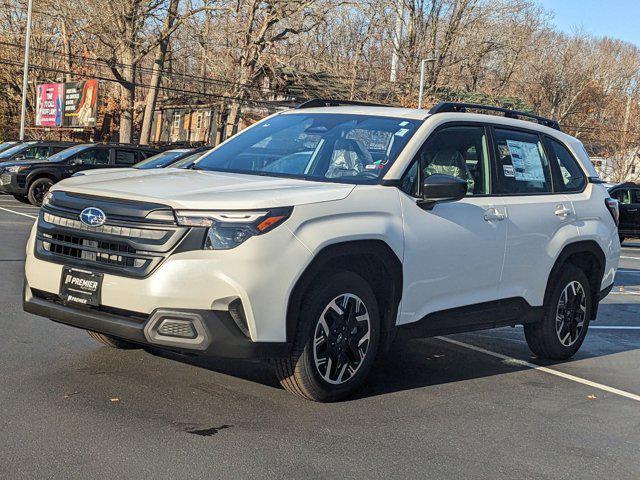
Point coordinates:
[(402, 132), (509, 171), (403, 124), (526, 161)]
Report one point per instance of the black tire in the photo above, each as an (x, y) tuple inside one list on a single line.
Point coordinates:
[(111, 342), (544, 338), (22, 199), (300, 372), (38, 189)]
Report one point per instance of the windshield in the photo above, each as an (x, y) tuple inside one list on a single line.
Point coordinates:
[(326, 146), (68, 152), (187, 161), (5, 145), (16, 149), (161, 160)]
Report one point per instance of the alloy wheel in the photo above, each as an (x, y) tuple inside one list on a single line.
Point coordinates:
[(570, 313), (341, 338)]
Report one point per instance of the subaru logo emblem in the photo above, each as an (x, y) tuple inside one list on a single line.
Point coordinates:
[(93, 217)]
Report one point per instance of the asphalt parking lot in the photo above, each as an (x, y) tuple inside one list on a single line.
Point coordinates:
[(466, 406)]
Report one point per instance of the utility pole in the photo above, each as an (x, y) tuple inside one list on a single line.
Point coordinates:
[(25, 75), (395, 58), (423, 63)]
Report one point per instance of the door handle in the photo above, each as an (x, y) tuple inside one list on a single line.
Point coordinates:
[(494, 215), (562, 211), (632, 209)]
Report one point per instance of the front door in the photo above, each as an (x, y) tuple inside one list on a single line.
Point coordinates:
[(453, 252)]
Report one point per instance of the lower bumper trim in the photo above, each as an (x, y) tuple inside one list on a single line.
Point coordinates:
[(223, 337)]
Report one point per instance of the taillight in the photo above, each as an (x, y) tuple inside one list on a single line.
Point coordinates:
[(614, 209)]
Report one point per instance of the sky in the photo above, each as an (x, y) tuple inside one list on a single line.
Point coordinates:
[(613, 18)]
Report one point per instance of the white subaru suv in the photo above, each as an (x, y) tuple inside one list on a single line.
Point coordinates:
[(317, 236)]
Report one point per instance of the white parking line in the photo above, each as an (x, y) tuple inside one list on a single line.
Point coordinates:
[(629, 258), (19, 213), (612, 327), (522, 363)]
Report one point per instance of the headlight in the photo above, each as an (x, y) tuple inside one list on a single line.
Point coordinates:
[(16, 168), (47, 198), (227, 230)]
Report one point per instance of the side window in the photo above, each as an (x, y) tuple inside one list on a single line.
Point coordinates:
[(567, 174), (126, 157), (94, 156), (622, 195), (36, 152), (522, 164), (460, 151), (635, 196)]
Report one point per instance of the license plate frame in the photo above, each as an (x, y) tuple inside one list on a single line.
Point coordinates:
[(80, 287)]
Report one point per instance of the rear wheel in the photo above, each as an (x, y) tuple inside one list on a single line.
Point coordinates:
[(110, 341), (566, 318), (21, 198), (38, 189), (336, 340)]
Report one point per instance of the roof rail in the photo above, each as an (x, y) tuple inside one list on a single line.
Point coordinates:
[(463, 107), (329, 102)]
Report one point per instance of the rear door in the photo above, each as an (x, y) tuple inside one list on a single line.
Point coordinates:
[(538, 216), (634, 211)]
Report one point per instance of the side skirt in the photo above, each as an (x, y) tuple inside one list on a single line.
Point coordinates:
[(479, 316)]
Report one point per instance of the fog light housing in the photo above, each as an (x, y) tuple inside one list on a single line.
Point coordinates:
[(170, 327)]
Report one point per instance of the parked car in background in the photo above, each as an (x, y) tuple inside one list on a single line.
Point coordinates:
[(32, 150), (6, 145), (628, 196), (176, 158), (30, 180)]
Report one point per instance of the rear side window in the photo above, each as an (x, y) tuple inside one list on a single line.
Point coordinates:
[(522, 164), (567, 174), (126, 157), (635, 196)]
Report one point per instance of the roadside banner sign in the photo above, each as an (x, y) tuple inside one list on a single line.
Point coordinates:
[(70, 104)]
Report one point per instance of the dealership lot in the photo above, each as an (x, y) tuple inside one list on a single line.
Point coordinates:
[(460, 407)]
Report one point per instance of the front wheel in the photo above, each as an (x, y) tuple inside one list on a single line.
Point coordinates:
[(38, 189), (336, 341), (566, 317)]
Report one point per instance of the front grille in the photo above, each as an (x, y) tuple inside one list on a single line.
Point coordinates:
[(129, 246)]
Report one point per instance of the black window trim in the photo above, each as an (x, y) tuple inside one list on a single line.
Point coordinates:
[(492, 146)]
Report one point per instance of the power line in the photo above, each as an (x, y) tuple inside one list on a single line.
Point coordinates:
[(138, 84)]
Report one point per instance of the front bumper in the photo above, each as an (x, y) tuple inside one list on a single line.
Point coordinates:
[(218, 334), (9, 184)]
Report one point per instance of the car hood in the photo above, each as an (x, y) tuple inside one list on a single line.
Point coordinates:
[(115, 172), (194, 189), (11, 163)]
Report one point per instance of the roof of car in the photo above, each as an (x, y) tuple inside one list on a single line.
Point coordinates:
[(422, 114), (382, 111)]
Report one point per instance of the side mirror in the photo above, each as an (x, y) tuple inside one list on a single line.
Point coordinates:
[(441, 188), (19, 157), (75, 161)]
